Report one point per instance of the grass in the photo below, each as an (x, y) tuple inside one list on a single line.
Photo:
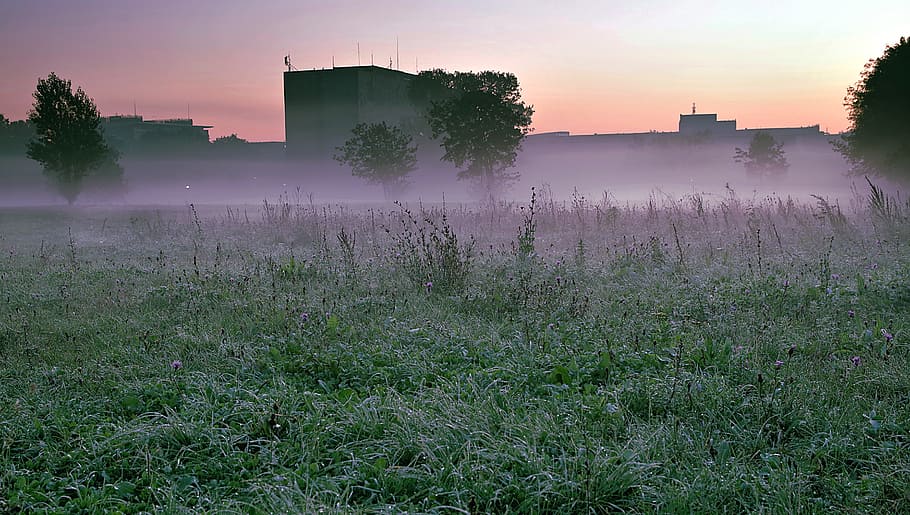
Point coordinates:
[(694, 355)]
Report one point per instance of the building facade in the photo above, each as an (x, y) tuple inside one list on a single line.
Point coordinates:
[(322, 106)]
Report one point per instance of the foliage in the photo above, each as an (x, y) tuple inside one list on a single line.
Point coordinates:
[(480, 120), (380, 153), (764, 157), (231, 140), (14, 136), (69, 143), (878, 108), (429, 251)]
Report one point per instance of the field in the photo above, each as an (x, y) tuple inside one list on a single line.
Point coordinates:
[(702, 354)]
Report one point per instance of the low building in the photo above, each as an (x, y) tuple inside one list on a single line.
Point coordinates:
[(134, 134), (693, 129)]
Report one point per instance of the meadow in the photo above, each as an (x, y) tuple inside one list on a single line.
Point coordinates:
[(702, 354)]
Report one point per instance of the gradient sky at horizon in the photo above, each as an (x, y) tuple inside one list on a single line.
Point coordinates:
[(587, 67)]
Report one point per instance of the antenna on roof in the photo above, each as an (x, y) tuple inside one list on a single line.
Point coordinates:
[(693, 107), (333, 62), (287, 62), (358, 53), (397, 56)]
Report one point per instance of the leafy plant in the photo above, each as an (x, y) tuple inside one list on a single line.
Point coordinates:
[(431, 253)]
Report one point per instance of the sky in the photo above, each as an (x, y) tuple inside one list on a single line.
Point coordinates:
[(587, 66)]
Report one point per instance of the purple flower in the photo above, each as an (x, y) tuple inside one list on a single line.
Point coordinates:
[(856, 360), (428, 286), (888, 336), (851, 313), (835, 276), (786, 283), (304, 317), (778, 364), (176, 364)]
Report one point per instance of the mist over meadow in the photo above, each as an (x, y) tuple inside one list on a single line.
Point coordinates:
[(628, 173)]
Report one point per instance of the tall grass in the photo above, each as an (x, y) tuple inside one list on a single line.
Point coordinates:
[(688, 355)]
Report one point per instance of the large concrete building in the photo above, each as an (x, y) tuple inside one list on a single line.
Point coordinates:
[(322, 106)]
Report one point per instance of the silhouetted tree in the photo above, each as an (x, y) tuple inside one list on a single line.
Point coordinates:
[(68, 140), (764, 157), (381, 154), (231, 140), (878, 108), (480, 120)]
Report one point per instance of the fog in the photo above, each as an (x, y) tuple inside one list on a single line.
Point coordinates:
[(626, 173)]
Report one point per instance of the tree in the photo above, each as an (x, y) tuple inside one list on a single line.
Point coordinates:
[(229, 141), (764, 157), (68, 140), (380, 153), (878, 108), (480, 120)]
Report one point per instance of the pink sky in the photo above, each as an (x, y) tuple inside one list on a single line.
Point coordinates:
[(589, 67)]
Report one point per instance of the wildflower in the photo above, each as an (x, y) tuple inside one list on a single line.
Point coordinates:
[(851, 313), (176, 364), (778, 364), (304, 317), (786, 283), (856, 360), (888, 336), (428, 286), (835, 276)]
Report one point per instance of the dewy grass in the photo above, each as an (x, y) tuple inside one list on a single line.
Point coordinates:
[(688, 356)]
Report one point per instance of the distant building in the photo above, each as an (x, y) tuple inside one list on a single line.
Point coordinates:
[(709, 127), (322, 106), (705, 124), (693, 129), (134, 134)]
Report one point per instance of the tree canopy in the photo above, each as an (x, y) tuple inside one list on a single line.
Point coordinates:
[(228, 141), (380, 153), (480, 120), (765, 156), (878, 108), (68, 140)]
